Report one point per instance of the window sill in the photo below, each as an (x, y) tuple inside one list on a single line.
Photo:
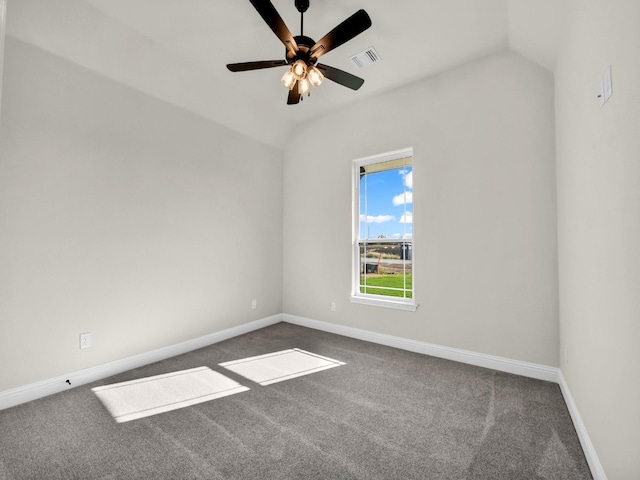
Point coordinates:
[(378, 302)]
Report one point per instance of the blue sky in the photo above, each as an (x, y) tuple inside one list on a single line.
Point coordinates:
[(389, 207)]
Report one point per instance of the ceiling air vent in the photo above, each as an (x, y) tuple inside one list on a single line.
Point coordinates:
[(365, 58)]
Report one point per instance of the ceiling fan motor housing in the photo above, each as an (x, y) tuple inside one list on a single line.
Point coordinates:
[(304, 46)]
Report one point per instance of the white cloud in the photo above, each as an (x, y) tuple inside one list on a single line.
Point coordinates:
[(406, 197), (408, 178), (377, 219), (407, 218)]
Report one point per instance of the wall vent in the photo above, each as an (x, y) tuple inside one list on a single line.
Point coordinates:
[(365, 58)]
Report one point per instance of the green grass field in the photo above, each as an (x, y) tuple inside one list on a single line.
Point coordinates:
[(377, 284)]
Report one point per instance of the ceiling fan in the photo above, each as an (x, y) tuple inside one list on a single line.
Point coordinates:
[(302, 53)]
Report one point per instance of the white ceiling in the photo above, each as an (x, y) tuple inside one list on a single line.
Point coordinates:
[(177, 50)]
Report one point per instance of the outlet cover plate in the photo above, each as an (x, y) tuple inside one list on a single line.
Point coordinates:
[(85, 340)]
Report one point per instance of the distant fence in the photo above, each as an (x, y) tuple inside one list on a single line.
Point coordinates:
[(391, 267)]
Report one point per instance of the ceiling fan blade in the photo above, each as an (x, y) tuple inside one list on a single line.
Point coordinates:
[(243, 67), (340, 76), (271, 16), (294, 95), (351, 27)]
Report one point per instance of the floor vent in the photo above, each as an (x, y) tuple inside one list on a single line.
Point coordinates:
[(365, 58)]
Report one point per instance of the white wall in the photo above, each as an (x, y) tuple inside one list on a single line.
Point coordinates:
[(598, 156), (124, 217), (485, 224)]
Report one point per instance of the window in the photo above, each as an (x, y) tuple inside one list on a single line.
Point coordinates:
[(383, 230)]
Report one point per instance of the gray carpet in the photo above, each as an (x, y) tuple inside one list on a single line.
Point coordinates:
[(386, 414)]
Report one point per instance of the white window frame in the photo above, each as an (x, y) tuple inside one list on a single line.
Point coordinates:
[(367, 298)]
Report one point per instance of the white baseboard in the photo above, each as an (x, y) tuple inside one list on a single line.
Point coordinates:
[(26, 393), (589, 451), (532, 370)]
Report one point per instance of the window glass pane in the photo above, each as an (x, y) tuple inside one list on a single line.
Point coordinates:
[(386, 203), (386, 268)]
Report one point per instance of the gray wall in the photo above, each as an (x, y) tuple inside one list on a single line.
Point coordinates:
[(124, 217), (484, 201), (598, 162)]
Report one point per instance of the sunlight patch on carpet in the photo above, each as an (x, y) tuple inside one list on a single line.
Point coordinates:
[(162, 393), (280, 366)]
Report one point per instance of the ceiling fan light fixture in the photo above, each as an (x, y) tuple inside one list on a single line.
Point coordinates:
[(288, 79), (304, 86), (299, 69), (315, 76)]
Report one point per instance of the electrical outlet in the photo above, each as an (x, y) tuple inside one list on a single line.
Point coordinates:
[(254, 304), (566, 354), (85, 340), (333, 306)]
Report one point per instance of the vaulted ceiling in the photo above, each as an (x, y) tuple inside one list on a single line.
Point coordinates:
[(176, 51)]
